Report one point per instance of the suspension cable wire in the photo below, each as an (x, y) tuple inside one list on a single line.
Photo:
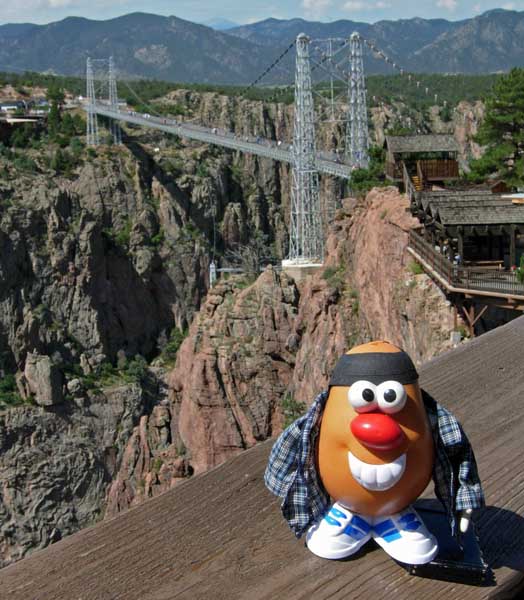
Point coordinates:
[(397, 67), (141, 100), (271, 66)]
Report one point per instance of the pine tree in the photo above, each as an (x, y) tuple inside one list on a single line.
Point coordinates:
[(502, 132)]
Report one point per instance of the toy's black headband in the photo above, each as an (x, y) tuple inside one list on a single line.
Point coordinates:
[(374, 367)]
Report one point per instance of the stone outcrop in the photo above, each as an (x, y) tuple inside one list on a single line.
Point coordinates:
[(226, 390), (43, 380), (367, 291)]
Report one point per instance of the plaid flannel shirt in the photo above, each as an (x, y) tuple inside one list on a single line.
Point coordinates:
[(291, 472)]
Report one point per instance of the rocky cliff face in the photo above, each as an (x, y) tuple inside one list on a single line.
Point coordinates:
[(85, 269), (257, 355), (56, 464)]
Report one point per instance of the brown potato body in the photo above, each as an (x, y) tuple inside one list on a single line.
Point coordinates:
[(336, 440)]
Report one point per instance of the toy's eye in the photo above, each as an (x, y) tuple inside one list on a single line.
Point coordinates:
[(362, 396), (391, 397)]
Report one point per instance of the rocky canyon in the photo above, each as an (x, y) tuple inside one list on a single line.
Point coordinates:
[(128, 372)]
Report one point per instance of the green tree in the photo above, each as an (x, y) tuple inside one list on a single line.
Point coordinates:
[(55, 94), (362, 180), (502, 132), (23, 135), (53, 120), (56, 97)]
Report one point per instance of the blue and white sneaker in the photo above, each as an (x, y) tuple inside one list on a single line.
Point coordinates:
[(339, 534), (405, 537)]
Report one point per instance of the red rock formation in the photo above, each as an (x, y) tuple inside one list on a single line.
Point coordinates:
[(231, 374)]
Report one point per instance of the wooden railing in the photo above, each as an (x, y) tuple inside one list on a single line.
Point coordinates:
[(438, 168), (469, 278), (408, 184), (430, 168), (420, 173)]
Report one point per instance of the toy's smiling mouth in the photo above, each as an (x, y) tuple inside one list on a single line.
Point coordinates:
[(377, 478)]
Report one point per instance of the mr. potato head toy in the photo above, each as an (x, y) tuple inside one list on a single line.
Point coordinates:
[(350, 469)]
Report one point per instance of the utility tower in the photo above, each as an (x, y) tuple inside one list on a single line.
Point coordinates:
[(113, 102), (92, 123), (306, 243), (357, 135)]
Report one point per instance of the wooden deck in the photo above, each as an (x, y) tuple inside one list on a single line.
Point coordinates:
[(474, 281), (221, 536)]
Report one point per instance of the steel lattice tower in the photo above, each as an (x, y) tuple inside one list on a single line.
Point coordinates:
[(92, 123), (306, 243), (357, 135), (113, 102)]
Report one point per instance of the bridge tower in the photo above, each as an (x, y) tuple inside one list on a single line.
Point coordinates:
[(113, 102), (357, 135), (306, 243), (92, 123)]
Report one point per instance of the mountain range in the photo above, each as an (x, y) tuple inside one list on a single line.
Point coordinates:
[(172, 49)]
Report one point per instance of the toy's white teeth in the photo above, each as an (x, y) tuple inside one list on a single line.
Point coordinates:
[(377, 478)]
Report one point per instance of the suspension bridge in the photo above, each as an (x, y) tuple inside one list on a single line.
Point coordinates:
[(306, 236)]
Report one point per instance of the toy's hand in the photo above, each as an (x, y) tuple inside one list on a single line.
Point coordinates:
[(465, 518)]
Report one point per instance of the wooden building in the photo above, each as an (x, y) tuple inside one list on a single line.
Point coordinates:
[(478, 227), (426, 159)]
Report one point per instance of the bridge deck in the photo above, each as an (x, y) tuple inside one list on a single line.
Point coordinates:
[(220, 535), (262, 147)]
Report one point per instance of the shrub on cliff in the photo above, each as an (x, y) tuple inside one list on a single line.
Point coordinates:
[(292, 409), (170, 350), (8, 392), (363, 180)]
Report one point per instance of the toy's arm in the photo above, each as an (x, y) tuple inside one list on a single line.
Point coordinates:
[(465, 519), (457, 482), (469, 492)]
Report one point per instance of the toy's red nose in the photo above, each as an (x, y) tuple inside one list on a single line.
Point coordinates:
[(377, 430)]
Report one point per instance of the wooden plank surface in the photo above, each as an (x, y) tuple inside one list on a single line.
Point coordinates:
[(221, 536)]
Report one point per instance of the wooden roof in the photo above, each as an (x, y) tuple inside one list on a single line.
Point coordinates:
[(427, 199), (220, 535), (492, 215), (421, 143), (477, 208)]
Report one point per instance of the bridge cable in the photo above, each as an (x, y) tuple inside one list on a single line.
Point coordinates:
[(141, 100), (396, 66), (271, 66)]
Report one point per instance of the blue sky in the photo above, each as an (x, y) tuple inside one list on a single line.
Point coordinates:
[(240, 11)]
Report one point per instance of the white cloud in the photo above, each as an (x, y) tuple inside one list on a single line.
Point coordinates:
[(477, 8), (315, 8), (362, 5), (509, 6), (59, 3), (450, 5)]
